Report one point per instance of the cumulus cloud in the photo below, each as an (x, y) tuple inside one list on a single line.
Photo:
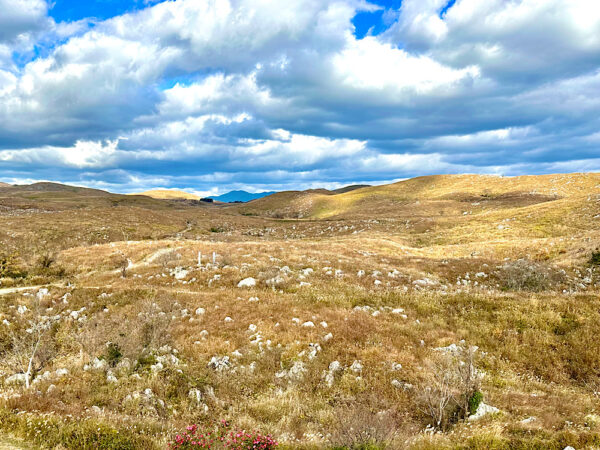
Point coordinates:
[(21, 18), (216, 94)]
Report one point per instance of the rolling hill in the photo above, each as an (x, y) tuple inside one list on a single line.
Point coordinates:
[(440, 192), (168, 194)]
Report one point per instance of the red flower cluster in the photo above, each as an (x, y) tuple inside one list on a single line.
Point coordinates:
[(221, 437)]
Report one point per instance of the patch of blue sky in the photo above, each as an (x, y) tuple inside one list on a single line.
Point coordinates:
[(445, 9), (186, 79), (375, 22), (72, 10)]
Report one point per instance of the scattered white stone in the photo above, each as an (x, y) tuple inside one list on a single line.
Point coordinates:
[(360, 273), (17, 378), (22, 309), (247, 282), (396, 366), (195, 395), (308, 324), (43, 292), (157, 367), (96, 364), (323, 324), (528, 420), (295, 373), (377, 282), (200, 311), (62, 372), (219, 363), (179, 273), (483, 410), (296, 320), (275, 281), (452, 349), (327, 337), (335, 366), (314, 349), (252, 328), (401, 385), (253, 299), (424, 282), (356, 367), (228, 319), (110, 377)]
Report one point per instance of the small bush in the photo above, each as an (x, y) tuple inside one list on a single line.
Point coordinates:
[(45, 261), (525, 275), (359, 428), (451, 389), (144, 362), (474, 402), (9, 267), (595, 258), (113, 354)]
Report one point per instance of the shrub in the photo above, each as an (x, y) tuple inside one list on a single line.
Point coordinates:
[(113, 354), (595, 258), (9, 267), (525, 275), (451, 389), (359, 428), (221, 436), (474, 402), (144, 362), (45, 261)]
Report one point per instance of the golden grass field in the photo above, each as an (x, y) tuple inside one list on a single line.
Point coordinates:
[(345, 339)]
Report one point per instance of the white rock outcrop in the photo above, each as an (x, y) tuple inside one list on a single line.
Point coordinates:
[(483, 410), (247, 282)]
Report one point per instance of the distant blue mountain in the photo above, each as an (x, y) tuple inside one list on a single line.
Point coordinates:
[(240, 196)]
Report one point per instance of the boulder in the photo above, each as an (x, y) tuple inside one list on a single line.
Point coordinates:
[(247, 282)]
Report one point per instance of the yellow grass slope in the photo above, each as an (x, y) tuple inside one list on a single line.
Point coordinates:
[(445, 193), (169, 194)]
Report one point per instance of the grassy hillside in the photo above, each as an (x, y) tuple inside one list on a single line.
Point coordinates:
[(379, 304), (451, 191), (169, 194)]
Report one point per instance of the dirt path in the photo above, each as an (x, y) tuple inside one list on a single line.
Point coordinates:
[(12, 290), (149, 259)]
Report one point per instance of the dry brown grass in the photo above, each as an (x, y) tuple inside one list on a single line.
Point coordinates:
[(525, 295)]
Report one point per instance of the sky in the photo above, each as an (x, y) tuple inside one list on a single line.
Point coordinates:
[(214, 95)]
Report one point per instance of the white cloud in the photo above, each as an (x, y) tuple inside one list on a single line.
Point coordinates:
[(84, 154), (370, 64), (275, 93), (21, 17)]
